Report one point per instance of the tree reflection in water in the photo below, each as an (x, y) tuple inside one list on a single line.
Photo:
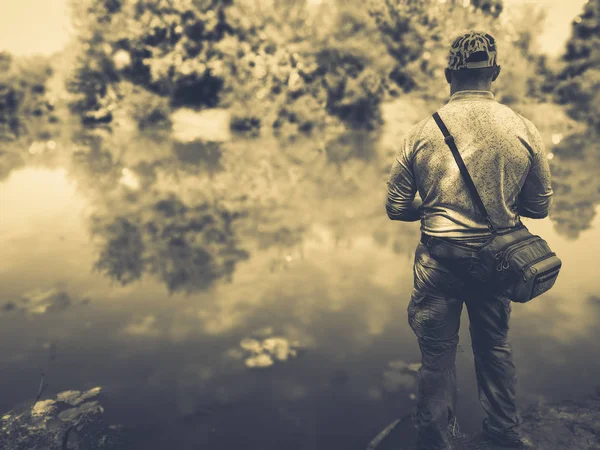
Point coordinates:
[(575, 183), (188, 212)]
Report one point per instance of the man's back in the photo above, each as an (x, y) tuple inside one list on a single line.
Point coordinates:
[(503, 152)]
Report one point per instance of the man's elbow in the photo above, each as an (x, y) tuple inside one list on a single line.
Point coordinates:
[(402, 215), (534, 215), (537, 211), (398, 217), (393, 213)]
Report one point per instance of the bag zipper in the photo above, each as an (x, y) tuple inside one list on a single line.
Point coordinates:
[(544, 276), (526, 267), (499, 255), (517, 246)]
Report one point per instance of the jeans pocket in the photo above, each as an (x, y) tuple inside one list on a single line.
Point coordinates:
[(426, 260), (418, 312)]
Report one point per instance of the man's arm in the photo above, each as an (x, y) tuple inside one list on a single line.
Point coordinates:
[(536, 195), (401, 188)]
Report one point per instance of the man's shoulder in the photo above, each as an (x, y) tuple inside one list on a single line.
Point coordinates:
[(525, 120), (528, 123), (535, 137), (416, 131)]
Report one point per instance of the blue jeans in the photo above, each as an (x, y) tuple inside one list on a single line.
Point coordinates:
[(434, 315)]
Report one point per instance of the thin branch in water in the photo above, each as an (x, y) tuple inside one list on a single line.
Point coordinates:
[(42, 387)]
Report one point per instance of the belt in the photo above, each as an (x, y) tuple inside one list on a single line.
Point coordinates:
[(443, 249)]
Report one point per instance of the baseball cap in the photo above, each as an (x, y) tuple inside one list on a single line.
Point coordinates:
[(472, 50)]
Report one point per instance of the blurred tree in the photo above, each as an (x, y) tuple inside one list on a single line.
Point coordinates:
[(302, 67), (418, 33), (165, 46), (24, 108), (288, 64), (578, 84)]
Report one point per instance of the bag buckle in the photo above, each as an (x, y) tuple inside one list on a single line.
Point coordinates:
[(490, 225)]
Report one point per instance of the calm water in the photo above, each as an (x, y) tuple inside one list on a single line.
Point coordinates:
[(176, 366)]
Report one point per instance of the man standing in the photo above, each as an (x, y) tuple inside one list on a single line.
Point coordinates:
[(504, 154)]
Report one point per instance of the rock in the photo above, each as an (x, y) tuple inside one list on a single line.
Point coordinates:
[(573, 424), (72, 414), (70, 421), (44, 407)]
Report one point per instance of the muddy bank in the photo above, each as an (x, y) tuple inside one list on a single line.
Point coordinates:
[(572, 425), (73, 420)]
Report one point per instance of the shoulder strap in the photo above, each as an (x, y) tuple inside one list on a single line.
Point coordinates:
[(463, 171)]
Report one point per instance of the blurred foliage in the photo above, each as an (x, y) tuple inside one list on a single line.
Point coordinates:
[(284, 64), (418, 33), (578, 84), (295, 66), (164, 46), (24, 107)]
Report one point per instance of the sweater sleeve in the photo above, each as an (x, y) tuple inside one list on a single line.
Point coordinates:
[(536, 194), (401, 185)]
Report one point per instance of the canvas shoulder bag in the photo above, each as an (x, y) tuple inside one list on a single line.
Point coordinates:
[(521, 265)]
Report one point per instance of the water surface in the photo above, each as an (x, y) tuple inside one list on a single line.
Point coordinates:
[(330, 301)]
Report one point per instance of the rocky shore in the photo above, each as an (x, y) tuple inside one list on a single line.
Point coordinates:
[(567, 425), (71, 421)]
